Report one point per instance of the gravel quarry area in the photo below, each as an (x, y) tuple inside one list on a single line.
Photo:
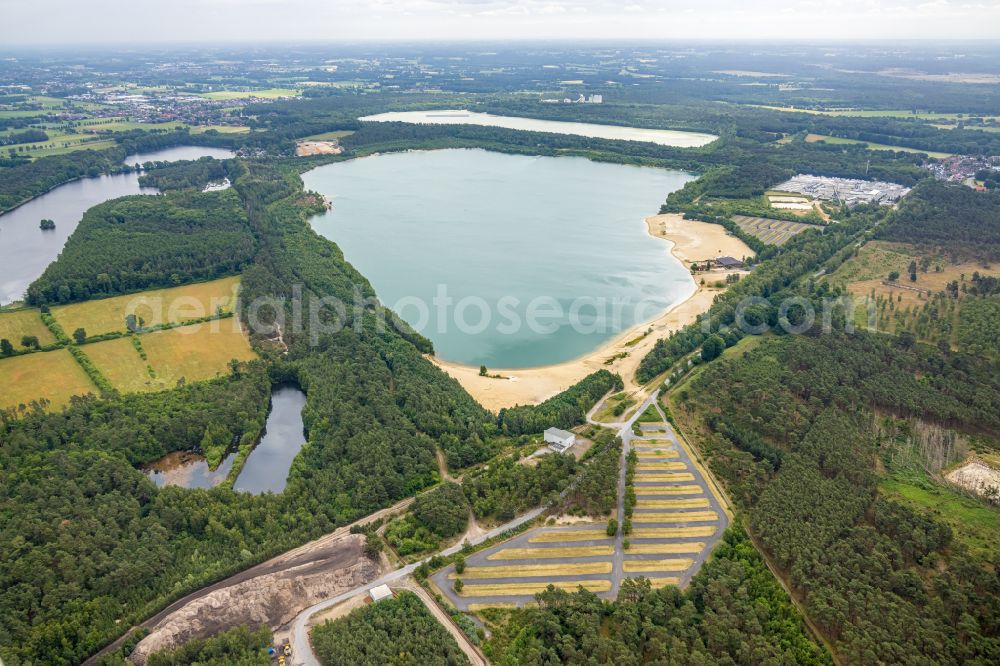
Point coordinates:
[(272, 598)]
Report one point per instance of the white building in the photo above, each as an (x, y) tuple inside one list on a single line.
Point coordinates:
[(380, 592), (559, 440)]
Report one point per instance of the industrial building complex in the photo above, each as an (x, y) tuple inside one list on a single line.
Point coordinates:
[(846, 191)]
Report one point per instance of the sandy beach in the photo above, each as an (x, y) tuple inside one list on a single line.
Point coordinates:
[(691, 241)]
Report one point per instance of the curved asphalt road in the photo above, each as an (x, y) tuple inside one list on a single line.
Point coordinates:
[(302, 653)]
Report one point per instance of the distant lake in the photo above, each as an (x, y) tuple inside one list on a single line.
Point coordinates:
[(663, 137), (506, 233), (26, 251)]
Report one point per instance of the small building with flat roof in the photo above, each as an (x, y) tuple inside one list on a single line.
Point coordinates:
[(380, 592), (559, 440)]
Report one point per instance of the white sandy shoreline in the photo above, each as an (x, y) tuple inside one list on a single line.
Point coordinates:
[(689, 241)]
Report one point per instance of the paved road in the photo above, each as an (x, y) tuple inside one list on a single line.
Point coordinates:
[(481, 559), (302, 653), (626, 434), (307, 558), (714, 504)]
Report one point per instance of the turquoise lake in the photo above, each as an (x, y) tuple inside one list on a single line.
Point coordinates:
[(533, 260)]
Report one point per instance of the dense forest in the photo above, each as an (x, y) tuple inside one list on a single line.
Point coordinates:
[(392, 631), (437, 514), (508, 487), (26, 136), (20, 183), (594, 491), (968, 222), (140, 242), (184, 174), (565, 410), (788, 426), (734, 612), (237, 647)]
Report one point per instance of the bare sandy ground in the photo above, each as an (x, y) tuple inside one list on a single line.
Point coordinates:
[(263, 593), (975, 476), (691, 242), (273, 599), (306, 148)]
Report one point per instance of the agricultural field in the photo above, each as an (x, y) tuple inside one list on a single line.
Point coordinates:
[(100, 125), (15, 324), (54, 376), (833, 140), (61, 142), (221, 129), (196, 352), (155, 308), (267, 93), (120, 363), (152, 361)]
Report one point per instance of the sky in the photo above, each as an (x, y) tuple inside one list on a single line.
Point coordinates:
[(54, 22)]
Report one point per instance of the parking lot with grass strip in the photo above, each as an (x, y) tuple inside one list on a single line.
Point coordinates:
[(690, 503), (654, 455), (634, 566), (568, 535), (665, 548), (674, 532), (681, 489), (530, 589), (664, 581), (547, 553), (660, 467), (663, 478), (676, 517), (534, 570), (772, 232), (672, 527)]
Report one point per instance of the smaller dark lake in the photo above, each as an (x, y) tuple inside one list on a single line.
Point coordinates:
[(266, 468)]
